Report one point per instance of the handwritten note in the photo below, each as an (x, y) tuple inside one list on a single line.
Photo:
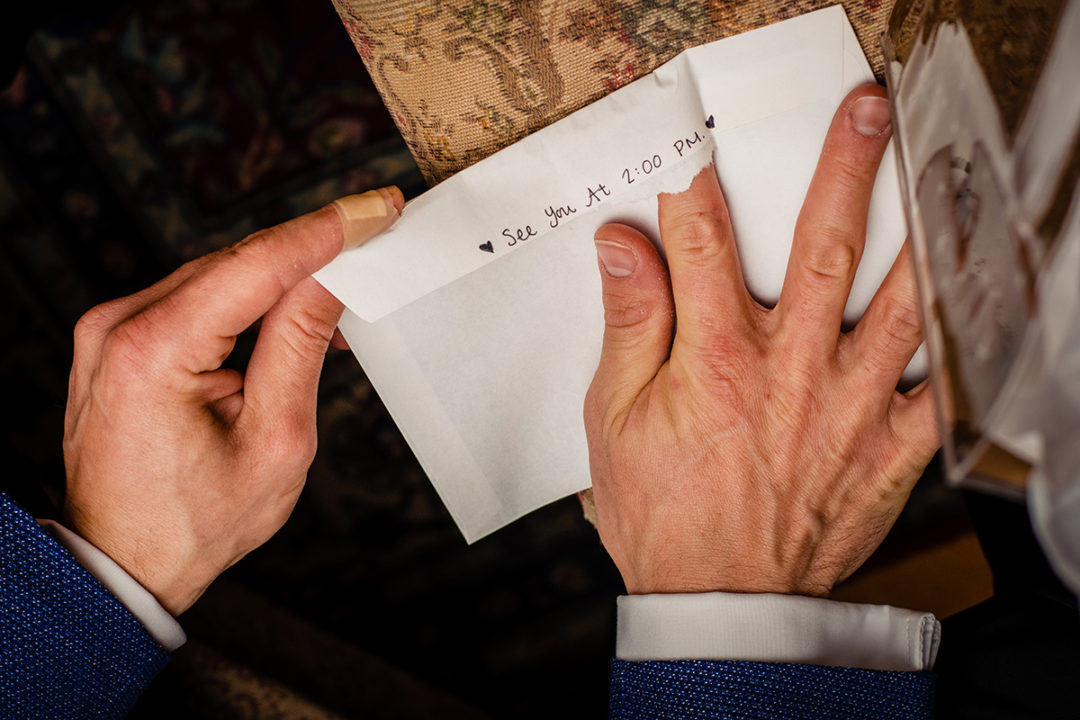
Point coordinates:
[(478, 316), (545, 183), (594, 194)]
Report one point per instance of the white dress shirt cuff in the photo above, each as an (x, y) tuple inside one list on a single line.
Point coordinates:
[(775, 628), (138, 600)]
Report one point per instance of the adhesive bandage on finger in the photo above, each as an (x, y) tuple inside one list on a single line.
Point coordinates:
[(367, 214)]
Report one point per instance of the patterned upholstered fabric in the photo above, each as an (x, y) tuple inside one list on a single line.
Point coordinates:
[(765, 691), (464, 78), (68, 649)]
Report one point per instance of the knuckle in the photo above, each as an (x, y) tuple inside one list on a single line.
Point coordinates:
[(93, 324), (309, 331), (900, 462), (790, 389), (254, 239), (717, 346), (247, 249), (900, 326), (700, 238), (831, 257), (719, 353), (257, 253), (796, 398), (126, 347), (897, 335), (625, 312), (716, 373)]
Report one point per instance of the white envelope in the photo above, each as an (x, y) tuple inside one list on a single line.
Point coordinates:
[(478, 317)]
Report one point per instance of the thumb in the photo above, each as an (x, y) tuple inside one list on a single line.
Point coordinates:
[(639, 316)]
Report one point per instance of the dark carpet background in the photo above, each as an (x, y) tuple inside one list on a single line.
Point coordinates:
[(136, 139)]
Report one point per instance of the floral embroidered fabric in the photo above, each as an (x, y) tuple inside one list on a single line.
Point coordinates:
[(465, 78)]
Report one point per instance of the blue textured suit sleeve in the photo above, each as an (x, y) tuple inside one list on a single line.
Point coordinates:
[(68, 648), (695, 689)]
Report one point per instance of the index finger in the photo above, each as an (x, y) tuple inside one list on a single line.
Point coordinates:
[(706, 279), (201, 317)]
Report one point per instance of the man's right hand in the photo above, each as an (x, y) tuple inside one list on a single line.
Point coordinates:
[(744, 449)]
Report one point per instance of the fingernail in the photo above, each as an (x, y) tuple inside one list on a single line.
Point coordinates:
[(366, 215), (618, 260), (870, 115)]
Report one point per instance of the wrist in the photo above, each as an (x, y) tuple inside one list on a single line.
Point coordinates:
[(699, 577), (693, 584), (175, 584)]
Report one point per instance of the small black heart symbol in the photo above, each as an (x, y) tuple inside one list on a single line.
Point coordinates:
[(710, 123), (486, 247)]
